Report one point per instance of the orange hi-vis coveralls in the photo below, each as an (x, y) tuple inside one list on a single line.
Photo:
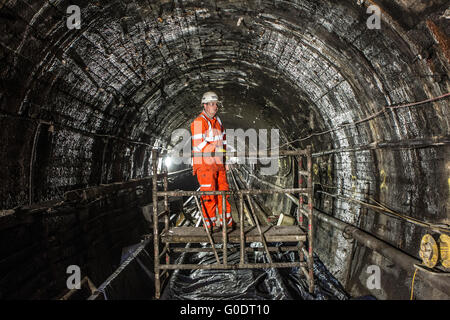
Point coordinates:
[(207, 135)]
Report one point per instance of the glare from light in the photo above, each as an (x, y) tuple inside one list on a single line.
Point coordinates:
[(168, 162)]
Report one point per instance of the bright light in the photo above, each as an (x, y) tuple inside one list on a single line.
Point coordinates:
[(168, 162)]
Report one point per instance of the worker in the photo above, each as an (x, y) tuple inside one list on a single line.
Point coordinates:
[(208, 136)]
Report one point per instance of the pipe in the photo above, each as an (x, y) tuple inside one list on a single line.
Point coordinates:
[(402, 259)]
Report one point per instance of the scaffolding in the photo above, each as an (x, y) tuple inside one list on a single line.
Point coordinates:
[(242, 234)]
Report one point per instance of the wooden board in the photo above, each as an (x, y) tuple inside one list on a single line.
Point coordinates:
[(198, 234)]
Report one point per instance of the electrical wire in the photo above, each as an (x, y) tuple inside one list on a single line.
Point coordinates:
[(420, 267), (370, 117), (442, 228), (412, 284), (387, 211)]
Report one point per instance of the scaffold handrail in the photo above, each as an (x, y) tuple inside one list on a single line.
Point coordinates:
[(301, 191), (177, 193)]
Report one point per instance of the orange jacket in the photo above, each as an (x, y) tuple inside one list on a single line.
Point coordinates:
[(207, 135)]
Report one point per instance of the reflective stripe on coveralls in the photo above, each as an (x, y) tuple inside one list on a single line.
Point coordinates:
[(210, 181), (211, 176), (206, 140)]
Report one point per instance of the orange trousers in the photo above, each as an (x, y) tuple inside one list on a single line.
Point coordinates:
[(213, 180)]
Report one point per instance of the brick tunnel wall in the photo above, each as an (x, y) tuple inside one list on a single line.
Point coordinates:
[(37, 245), (83, 107)]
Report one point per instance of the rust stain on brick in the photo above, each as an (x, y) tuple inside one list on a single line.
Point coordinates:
[(441, 38)]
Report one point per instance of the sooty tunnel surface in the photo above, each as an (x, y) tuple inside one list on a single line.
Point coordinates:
[(363, 82)]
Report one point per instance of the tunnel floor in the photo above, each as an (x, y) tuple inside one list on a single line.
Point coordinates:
[(248, 284), (241, 284), (251, 284)]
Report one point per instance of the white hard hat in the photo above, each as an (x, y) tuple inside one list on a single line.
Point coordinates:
[(209, 97)]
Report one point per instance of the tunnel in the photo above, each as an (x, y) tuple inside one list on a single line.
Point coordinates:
[(90, 88)]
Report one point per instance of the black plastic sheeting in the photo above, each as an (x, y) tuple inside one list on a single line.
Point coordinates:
[(134, 278), (250, 284)]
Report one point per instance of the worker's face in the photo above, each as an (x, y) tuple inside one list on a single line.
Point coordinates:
[(211, 108)]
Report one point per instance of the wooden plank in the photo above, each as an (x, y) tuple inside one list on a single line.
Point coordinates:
[(272, 234)]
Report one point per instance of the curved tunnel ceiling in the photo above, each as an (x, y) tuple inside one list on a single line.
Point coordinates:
[(87, 105), (136, 70)]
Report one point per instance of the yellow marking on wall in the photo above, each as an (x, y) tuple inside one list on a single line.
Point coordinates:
[(449, 184), (383, 176)]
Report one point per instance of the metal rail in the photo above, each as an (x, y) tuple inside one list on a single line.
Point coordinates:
[(304, 191), (248, 249), (233, 266), (305, 266), (211, 241)]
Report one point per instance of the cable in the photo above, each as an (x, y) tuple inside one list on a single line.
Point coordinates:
[(412, 284), (370, 117), (383, 209), (419, 267), (442, 228), (420, 102)]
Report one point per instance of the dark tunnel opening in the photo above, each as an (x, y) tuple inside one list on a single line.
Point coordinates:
[(81, 110)]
